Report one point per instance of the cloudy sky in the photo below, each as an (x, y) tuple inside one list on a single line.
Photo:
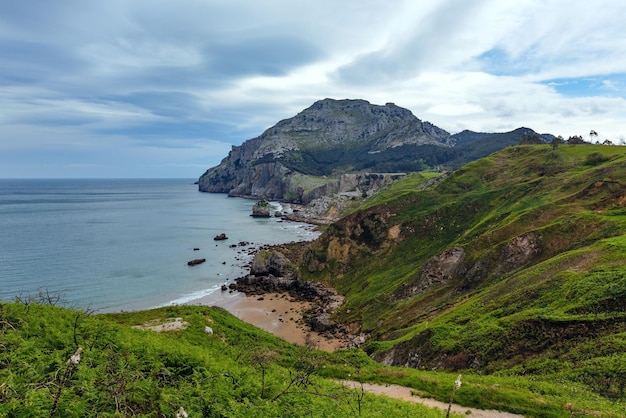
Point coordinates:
[(155, 88)]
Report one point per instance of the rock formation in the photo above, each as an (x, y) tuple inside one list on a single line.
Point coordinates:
[(271, 271), (261, 209), (343, 146), (317, 141)]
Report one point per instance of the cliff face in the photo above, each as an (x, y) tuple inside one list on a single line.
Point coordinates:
[(325, 139), (302, 158)]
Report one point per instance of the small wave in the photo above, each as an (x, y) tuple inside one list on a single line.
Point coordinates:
[(199, 294), (277, 206)]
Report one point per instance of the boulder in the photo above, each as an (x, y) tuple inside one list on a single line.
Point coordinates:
[(220, 237), (269, 262), (322, 323), (196, 261)]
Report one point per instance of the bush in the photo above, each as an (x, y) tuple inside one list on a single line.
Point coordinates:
[(595, 158)]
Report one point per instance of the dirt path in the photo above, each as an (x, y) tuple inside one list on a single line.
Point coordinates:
[(280, 315), (404, 393)]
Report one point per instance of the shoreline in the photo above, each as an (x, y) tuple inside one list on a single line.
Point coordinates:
[(275, 312)]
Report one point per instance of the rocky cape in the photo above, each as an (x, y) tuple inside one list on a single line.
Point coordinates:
[(343, 147)]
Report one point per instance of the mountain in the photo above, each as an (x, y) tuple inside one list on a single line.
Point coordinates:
[(471, 145), (302, 158), (513, 264)]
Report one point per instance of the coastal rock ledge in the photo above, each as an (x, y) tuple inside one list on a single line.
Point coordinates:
[(271, 273)]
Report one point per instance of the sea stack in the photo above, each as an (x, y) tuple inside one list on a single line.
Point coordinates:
[(261, 209)]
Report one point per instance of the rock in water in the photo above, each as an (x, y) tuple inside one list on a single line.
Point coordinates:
[(261, 209), (220, 237)]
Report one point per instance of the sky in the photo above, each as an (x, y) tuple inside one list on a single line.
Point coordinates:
[(164, 89)]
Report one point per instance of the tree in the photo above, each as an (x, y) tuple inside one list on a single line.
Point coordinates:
[(556, 141), (592, 134), (262, 359), (575, 140)]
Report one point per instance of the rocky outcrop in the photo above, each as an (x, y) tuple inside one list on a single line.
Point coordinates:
[(439, 269), (356, 184), (266, 262), (323, 301), (504, 259), (271, 271), (349, 137), (317, 141), (261, 209)]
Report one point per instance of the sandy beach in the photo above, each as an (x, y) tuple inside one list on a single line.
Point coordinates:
[(277, 313)]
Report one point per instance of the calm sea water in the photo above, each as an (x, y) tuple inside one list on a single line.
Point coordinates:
[(113, 245)]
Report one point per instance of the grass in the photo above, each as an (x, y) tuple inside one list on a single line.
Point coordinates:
[(125, 371), (533, 315), (542, 273), (307, 182)]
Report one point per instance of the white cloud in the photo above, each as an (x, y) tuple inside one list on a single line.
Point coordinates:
[(158, 76), (126, 55), (609, 85)]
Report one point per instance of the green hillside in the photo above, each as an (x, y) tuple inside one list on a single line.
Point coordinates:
[(237, 371), (510, 271), (513, 265), (123, 371)]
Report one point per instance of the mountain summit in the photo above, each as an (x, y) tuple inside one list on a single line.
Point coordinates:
[(331, 138)]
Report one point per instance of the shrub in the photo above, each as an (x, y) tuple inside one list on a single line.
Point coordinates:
[(595, 158)]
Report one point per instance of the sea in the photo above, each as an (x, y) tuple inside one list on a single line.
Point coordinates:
[(123, 244)]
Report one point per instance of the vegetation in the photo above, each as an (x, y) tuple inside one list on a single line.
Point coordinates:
[(355, 156), (236, 370), (509, 271), (62, 362), (538, 285)]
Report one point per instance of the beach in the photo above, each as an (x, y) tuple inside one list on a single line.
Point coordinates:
[(277, 313)]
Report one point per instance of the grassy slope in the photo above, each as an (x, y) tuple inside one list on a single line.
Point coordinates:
[(560, 314), (131, 372)]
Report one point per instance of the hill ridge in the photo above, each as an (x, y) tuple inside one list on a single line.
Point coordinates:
[(508, 261), (334, 137)]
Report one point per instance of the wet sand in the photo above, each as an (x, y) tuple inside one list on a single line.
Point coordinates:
[(277, 313)]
